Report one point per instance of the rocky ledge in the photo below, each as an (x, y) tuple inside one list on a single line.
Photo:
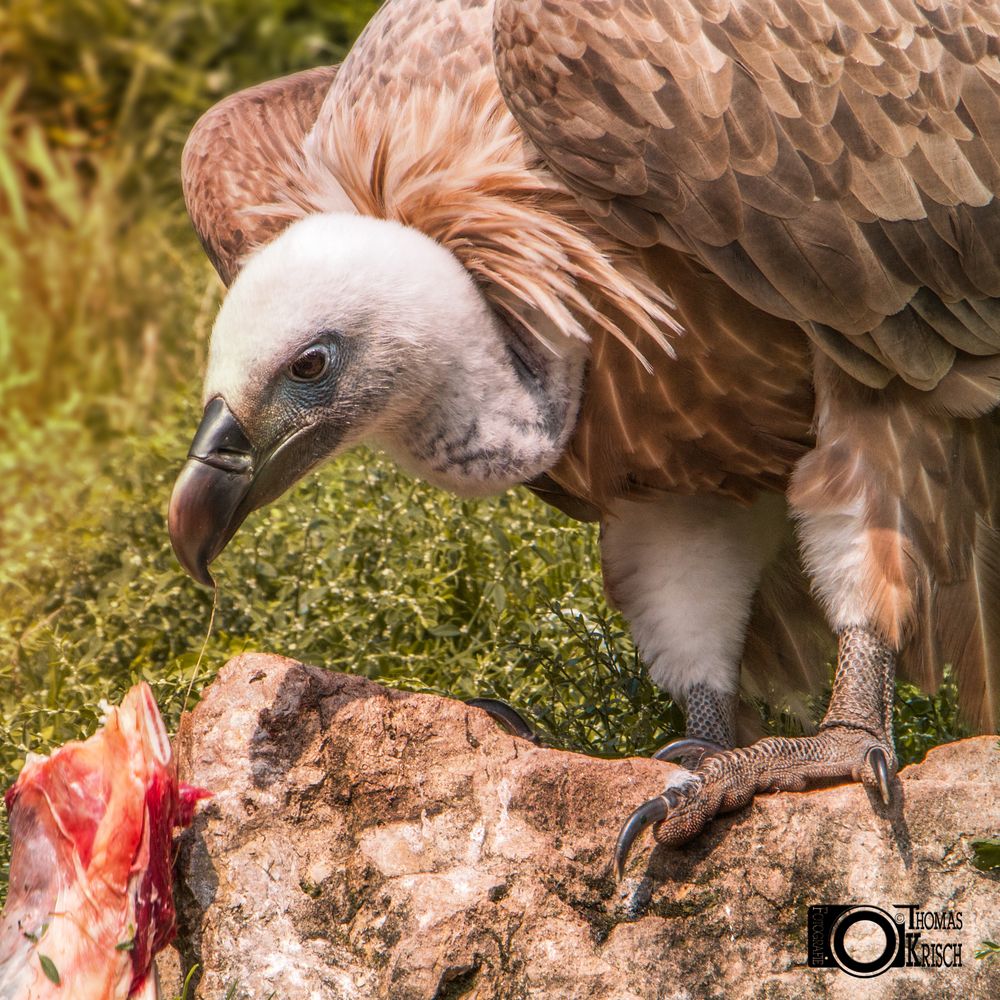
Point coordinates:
[(364, 842)]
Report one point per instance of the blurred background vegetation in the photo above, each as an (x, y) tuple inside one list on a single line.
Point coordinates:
[(106, 302)]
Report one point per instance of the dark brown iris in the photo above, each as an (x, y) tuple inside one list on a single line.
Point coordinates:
[(309, 365)]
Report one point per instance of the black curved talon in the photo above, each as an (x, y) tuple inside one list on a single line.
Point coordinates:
[(652, 811), (880, 769), (507, 717), (676, 749)]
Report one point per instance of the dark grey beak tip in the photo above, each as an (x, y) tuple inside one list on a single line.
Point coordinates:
[(207, 504), (193, 521)]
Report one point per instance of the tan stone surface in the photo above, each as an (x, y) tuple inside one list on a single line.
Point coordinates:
[(364, 842)]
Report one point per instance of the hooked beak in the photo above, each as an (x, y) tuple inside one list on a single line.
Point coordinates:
[(211, 496), (226, 477)]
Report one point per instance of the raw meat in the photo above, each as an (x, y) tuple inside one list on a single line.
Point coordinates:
[(90, 900)]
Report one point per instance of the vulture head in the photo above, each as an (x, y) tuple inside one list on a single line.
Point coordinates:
[(349, 329)]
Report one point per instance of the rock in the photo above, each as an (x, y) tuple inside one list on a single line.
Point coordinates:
[(364, 842)]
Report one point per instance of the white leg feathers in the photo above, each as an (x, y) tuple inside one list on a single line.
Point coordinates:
[(836, 549), (683, 571)]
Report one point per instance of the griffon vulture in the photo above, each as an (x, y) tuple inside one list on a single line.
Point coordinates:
[(722, 274)]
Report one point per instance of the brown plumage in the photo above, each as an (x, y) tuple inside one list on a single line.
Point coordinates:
[(245, 153), (772, 221)]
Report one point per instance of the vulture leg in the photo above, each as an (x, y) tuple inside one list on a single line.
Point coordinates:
[(684, 570), (854, 741), (711, 727)]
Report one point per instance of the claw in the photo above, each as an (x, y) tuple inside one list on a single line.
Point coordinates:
[(676, 749), (507, 717), (653, 811), (880, 769)]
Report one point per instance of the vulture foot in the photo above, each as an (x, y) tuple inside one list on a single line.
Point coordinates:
[(730, 780), (507, 718), (854, 741)]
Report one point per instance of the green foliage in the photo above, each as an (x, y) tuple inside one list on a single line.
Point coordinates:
[(988, 949), (192, 972), (986, 854), (130, 77), (99, 272), (986, 857), (924, 720), (593, 693), (49, 968)]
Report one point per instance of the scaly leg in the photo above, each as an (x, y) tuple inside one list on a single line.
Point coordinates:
[(711, 726), (854, 741)]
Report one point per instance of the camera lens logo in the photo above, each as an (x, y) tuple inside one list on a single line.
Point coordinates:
[(829, 944)]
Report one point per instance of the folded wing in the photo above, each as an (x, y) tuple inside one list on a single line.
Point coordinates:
[(836, 169), (243, 162)]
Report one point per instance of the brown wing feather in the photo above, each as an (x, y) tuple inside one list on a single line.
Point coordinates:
[(245, 153), (784, 145)]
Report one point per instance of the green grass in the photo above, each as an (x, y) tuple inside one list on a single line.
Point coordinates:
[(105, 306), (987, 950)]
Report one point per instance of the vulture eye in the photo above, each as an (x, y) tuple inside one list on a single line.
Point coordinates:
[(310, 365)]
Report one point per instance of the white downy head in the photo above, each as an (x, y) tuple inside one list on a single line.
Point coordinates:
[(349, 328)]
